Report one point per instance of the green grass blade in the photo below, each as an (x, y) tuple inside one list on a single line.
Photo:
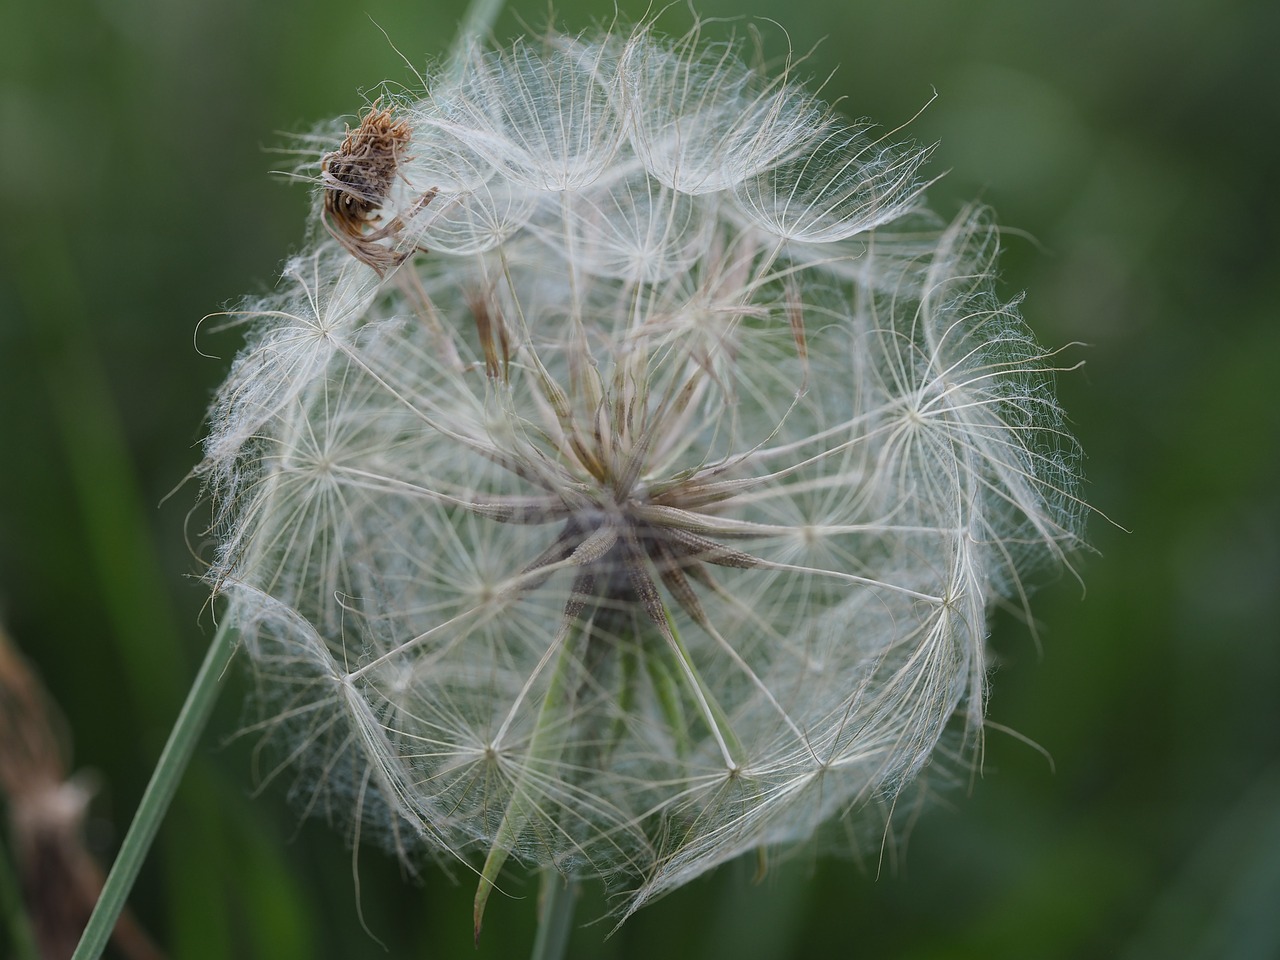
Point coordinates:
[(159, 793), (555, 916)]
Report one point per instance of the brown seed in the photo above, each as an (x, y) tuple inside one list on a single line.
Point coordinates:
[(494, 341)]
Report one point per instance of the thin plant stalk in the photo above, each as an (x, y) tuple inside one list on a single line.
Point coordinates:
[(195, 712), (472, 31), (555, 915), (173, 762), (556, 707)]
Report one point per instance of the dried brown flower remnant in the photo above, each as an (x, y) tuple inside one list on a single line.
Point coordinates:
[(357, 178), (61, 881)]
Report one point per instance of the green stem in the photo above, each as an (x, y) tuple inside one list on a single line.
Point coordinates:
[(556, 705), (719, 720), (555, 915), (475, 26), (159, 793)]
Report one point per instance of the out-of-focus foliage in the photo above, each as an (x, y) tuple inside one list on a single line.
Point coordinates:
[(1132, 142)]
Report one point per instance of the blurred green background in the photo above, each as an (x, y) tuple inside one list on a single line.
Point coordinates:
[(1131, 144)]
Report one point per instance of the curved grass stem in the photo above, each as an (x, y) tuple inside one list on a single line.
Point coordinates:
[(159, 793), (555, 915)]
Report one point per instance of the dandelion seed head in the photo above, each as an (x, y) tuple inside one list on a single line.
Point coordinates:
[(652, 514)]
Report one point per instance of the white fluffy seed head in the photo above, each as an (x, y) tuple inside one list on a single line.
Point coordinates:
[(626, 489)]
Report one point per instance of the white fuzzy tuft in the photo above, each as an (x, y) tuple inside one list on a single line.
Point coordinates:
[(620, 491)]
